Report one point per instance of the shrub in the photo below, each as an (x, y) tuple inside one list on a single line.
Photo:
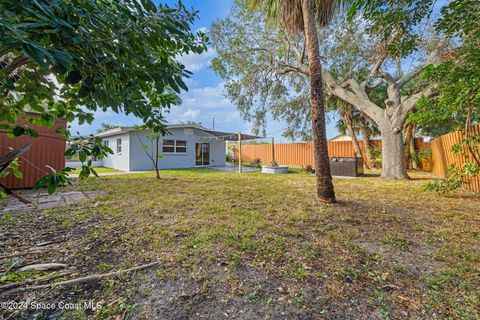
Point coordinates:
[(446, 186), (419, 156), (308, 169), (376, 156), (256, 162)]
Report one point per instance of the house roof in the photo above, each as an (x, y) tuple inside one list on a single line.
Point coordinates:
[(113, 132), (345, 137), (219, 134)]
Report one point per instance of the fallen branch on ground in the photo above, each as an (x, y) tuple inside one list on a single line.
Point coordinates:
[(28, 281), (43, 267), (80, 280)]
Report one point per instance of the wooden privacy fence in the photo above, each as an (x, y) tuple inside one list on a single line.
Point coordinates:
[(443, 157), (301, 153)]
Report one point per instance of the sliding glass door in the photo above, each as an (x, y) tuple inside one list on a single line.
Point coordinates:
[(202, 154)]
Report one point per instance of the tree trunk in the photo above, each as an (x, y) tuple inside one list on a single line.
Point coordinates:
[(412, 149), (369, 163), (325, 189), (408, 137), (157, 153), (347, 119), (393, 155), (367, 143)]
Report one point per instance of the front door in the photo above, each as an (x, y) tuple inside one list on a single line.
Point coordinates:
[(202, 154)]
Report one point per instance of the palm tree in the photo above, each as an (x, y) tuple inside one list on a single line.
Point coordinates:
[(302, 16)]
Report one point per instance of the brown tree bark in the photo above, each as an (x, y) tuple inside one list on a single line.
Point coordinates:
[(325, 190), (157, 153), (410, 148), (367, 140), (347, 119), (408, 137)]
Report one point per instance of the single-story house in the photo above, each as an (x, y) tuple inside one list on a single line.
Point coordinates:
[(186, 146)]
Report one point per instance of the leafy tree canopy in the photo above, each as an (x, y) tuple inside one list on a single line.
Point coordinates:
[(458, 104), (71, 58), (68, 59)]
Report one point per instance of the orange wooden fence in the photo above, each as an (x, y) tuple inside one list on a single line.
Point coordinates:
[(443, 157), (301, 153)]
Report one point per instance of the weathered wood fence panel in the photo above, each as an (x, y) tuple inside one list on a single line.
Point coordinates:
[(443, 157), (301, 153)]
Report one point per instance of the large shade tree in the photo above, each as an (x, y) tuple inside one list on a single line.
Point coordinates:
[(377, 48), (70, 59)]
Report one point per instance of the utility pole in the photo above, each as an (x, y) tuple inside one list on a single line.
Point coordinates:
[(213, 123)]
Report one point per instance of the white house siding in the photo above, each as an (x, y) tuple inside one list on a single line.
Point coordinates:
[(115, 160), (217, 147), (137, 160)]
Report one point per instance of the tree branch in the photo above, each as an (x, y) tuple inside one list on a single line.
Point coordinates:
[(356, 96), (378, 64), (287, 68), (433, 59), (408, 104)]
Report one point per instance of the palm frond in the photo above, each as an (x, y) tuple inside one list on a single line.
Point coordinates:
[(288, 13)]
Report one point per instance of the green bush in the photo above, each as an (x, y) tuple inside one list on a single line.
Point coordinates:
[(446, 186)]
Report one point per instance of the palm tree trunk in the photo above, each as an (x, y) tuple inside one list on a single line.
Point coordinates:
[(408, 152), (325, 189), (347, 119), (367, 143)]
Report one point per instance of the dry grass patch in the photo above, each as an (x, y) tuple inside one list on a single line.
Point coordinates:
[(257, 245)]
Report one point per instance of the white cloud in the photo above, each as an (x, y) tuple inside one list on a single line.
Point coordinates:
[(191, 113), (195, 62), (202, 29), (206, 98)]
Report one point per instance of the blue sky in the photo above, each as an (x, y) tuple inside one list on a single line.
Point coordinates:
[(204, 99)]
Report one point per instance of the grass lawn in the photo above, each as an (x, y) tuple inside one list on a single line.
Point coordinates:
[(97, 169), (256, 246)]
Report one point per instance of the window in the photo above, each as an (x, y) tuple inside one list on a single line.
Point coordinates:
[(180, 146), (168, 146), (174, 146), (105, 143), (119, 146)]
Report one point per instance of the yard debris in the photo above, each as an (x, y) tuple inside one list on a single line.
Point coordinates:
[(44, 267), (301, 254), (81, 279), (45, 243), (36, 280)]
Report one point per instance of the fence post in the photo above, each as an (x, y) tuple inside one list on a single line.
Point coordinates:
[(239, 152), (273, 152)]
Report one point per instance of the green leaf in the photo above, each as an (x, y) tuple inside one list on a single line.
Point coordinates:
[(18, 131), (51, 188)]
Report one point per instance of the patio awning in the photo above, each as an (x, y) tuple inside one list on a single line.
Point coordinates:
[(228, 136)]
